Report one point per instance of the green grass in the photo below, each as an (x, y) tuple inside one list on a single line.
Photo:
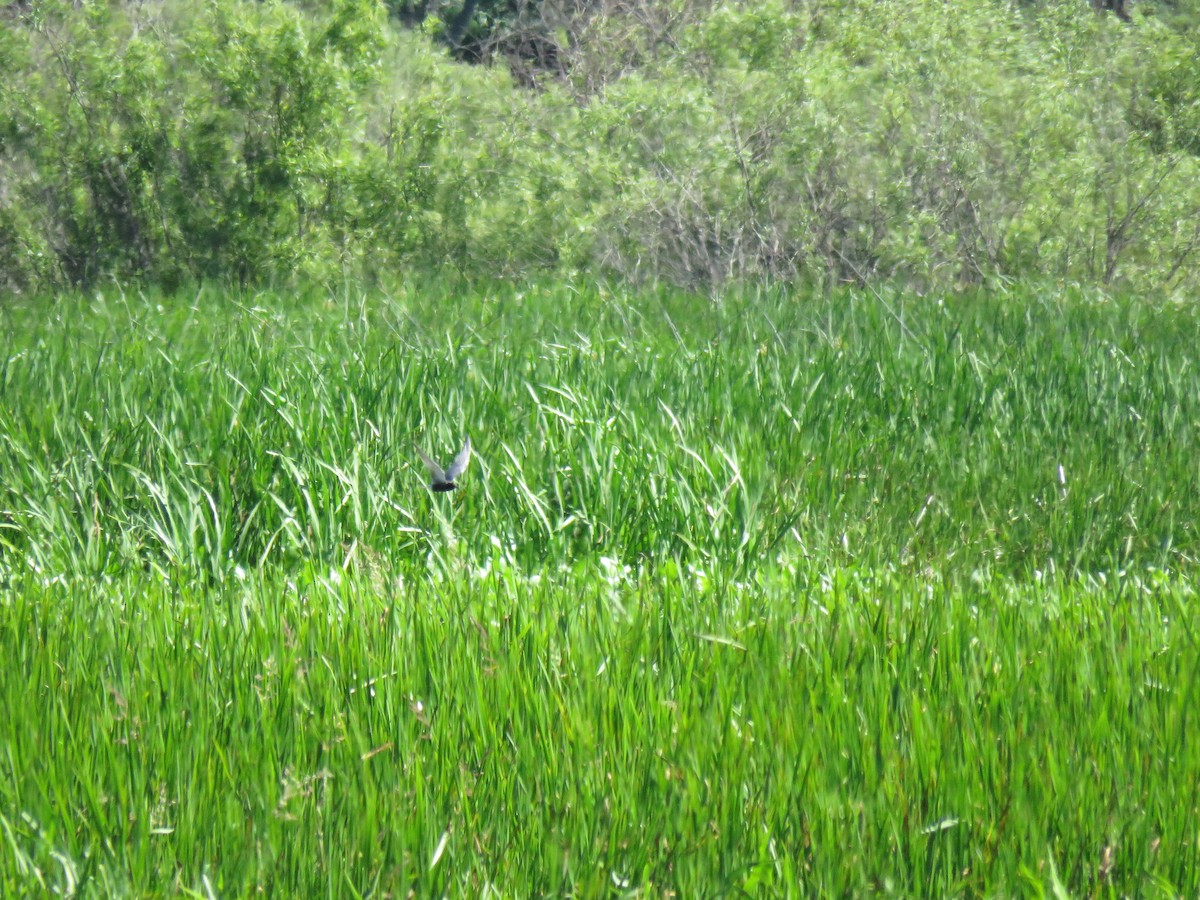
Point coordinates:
[(770, 595)]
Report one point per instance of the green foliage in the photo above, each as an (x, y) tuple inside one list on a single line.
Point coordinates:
[(782, 594), (902, 141), (1167, 106), (280, 92), (923, 144), (187, 145)]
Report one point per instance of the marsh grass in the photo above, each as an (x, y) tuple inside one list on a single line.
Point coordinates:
[(769, 594)]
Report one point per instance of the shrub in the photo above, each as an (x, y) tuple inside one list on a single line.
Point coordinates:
[(151, 155), (958, 143)]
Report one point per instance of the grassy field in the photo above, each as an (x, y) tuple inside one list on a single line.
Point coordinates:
[(762, 596)]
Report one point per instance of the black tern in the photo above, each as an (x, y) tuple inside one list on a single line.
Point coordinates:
[(443, 480)]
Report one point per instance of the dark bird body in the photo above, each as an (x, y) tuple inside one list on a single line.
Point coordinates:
[(442, 480)]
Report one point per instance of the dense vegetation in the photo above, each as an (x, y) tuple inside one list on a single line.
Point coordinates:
[(940, 144), (779, 594), (831, 372), (986, 434)]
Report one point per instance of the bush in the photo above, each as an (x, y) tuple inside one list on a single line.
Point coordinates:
[(857, 141), (147, 155), (956, 143)]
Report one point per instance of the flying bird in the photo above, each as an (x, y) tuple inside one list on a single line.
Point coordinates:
[(443, 480)]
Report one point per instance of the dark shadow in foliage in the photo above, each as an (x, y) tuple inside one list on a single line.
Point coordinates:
[(1120, 8)]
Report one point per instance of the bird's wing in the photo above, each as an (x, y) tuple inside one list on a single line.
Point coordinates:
[(460, 462), (435, 471)]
